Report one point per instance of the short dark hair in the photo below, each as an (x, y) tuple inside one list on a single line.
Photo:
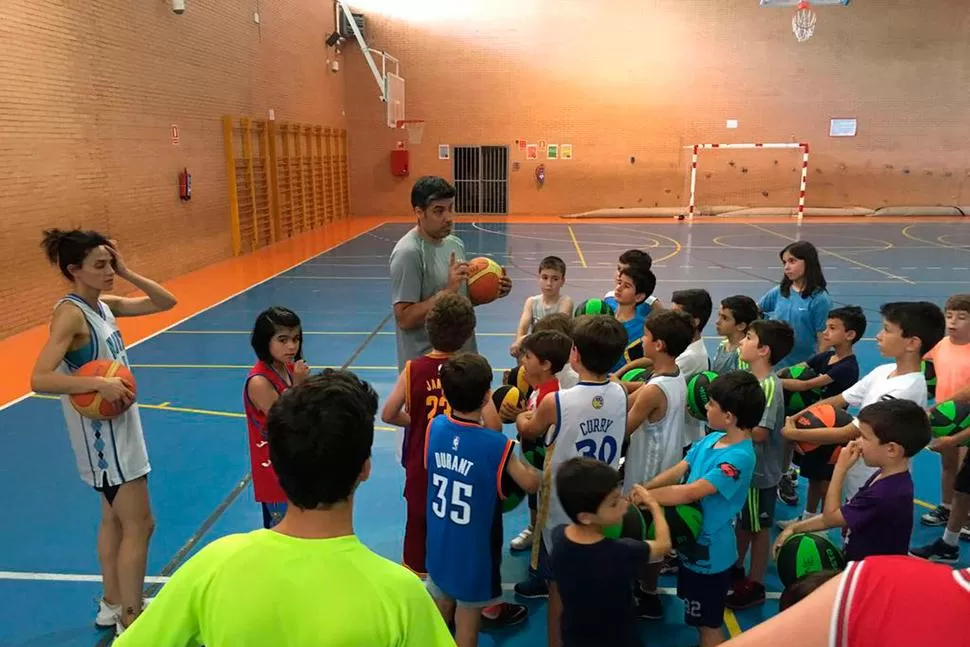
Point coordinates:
[(549, 346), (556, 321), (582, 485), (644, 280), (803, 587), (740, 394), (64, 248), (920, 319), (600, 341), (465, 380), (853, 318), (266, 326), (898, 421), (778, 336), (695, 302), (429, 188), (450, 323), (553, 263), (320, 435), (743, 308), (960, 302), (636, 257), (675, 329)]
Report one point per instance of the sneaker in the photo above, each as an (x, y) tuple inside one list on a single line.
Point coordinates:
[(745, 595), (738, 575), (532, 589), (649, 606), (108, 615), (523, 540), (938, 516), (788, 489), (504, 614), (671, 565), (938, 551)]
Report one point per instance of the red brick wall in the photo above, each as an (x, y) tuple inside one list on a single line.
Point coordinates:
[(646, 78), (89, 91)]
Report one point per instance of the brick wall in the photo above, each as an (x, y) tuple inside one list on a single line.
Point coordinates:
[(646, 78), (89, 92)]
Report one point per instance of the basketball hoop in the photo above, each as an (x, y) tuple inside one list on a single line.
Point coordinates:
[(415, 128), (803, 22)]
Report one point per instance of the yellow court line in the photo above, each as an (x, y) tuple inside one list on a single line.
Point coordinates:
[(731, 622), (905, 233), (839, 256), (582, 259), (164, 404)]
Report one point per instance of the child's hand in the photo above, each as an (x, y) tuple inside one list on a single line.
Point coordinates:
[(510, 412), (943, 444), (514, 349), (788, 428), (849, 455), (301, 371), (504, 285), (640, 496), (782, 538)]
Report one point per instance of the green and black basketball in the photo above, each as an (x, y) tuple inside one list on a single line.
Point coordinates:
[(633, 526), (514, 494), (807, 553), (929, 373), (796, 401), (684, 522), (697, 394), (637, 375), (593, 307), (536, 457), (948, 418)]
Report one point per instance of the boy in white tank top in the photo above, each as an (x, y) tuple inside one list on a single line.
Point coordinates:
[(589, 420), (550, 300), (111, 455)]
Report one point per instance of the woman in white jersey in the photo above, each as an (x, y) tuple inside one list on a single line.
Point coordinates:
[(110, 454)]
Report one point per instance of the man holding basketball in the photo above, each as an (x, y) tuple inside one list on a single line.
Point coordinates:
[(427, 261)]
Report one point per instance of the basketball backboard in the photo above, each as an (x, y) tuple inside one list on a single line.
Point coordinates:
[(394, 92)]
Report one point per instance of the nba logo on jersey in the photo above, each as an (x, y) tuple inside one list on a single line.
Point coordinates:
[(598, 402), (454, 444)]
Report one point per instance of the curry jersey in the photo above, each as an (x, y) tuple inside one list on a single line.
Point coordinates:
[(266, 486), (108, 452)]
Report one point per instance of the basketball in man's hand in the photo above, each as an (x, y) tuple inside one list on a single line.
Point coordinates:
[(484, 280)]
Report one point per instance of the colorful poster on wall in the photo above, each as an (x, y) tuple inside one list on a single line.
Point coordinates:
[(522, 144), (444, 151), (552, 151), (542, 144), (532, 152), (566, 152)]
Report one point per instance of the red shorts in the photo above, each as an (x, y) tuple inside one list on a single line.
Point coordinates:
[(416, 526)]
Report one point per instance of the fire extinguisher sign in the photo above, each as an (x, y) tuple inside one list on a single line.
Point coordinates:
[(175, 135)]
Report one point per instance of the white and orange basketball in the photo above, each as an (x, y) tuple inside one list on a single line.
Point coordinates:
[(484, 277), (92, 405)]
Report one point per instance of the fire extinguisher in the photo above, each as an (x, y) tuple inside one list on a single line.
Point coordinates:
[(185, 185), (541, 174)]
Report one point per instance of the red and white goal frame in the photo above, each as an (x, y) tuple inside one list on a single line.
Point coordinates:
[(699, 147)]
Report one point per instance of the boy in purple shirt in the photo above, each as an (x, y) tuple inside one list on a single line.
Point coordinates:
[(878, 520)]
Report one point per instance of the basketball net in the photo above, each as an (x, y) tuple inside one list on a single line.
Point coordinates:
[(415, 128), (803, 22)]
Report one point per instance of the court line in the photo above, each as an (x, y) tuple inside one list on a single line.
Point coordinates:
[(836, 255), (731, 620), (582, 259), (905, 233)]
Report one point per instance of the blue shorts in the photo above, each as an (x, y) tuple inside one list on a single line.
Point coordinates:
[(438, 594), (704, 595)]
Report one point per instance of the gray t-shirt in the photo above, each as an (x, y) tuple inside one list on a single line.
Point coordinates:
[(419, 269), (771, 453)]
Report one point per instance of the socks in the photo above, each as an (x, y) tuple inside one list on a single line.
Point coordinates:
[(951, 538)]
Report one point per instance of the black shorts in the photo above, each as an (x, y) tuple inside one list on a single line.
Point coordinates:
[(109, 492), (962, 483), (758, 512), (704, 596), (815, 466)]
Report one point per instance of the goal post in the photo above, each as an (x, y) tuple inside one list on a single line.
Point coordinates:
[(799, 211)]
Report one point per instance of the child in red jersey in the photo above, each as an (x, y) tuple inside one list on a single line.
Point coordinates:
[(277, 339)]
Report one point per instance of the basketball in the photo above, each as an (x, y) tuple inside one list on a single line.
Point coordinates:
[(796, 401), (535, 457), (929, 372), (807, 553), (484, 280), (516, 377), (821, 417), (637, 375), (506, 395), (697, 394), (514, 494), (948, 418), (92, 405), (684, 521), (633, 525), (633, 352), (593, 307)]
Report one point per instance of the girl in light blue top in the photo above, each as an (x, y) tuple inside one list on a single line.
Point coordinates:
[(801, 299)]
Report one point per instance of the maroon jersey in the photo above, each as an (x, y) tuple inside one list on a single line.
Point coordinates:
[(265, 484), (423, 400)]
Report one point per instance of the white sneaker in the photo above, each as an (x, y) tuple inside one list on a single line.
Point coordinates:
[(523, 540), (108, 615)]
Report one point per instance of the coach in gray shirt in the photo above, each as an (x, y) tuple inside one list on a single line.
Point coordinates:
[(427, 261)]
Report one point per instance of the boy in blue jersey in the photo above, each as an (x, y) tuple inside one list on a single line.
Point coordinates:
[(464, 549), (633, 285), (716, 474)]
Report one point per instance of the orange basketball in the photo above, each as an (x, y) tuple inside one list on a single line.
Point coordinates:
[(484, 276), (92, 405)]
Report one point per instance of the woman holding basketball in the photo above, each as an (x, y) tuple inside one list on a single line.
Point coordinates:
[(111, 455)]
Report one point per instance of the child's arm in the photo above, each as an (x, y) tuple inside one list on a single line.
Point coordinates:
[(661, 544), (262, 393), (566, 306), (826, 436), (807, 385), (643, 362), (836, 401), (393, 412), (533, 424), (681, 494), (642, 405), (525, 319), (524, 475), (490, 417), (669, 476)]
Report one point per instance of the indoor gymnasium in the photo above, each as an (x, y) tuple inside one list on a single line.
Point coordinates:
[(207, 205)]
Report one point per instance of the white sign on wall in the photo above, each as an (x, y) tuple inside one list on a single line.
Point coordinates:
[(842, 128)]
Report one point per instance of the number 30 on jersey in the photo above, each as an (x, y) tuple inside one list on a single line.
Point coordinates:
[(604, 452)]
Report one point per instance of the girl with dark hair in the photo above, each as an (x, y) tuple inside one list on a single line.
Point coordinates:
[(277, 339), (111, 455)]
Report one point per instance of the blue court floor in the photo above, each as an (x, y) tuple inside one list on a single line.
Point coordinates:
[(190, 377)]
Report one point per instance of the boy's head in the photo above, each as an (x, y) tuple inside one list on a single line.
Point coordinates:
[(844, 326), (590, 492), (544, 353), (667, 332), (598, 342), (958, 318), (552, 275), (466, 380), (320, 435), (633, 257), (695, 302), (766, 340), (910, 328), (735, 399), (556, 321), (802, 588), (633, 285), (735, 315), (893, 431), (450, 323)]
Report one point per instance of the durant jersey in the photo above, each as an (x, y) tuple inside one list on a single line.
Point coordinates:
[(465, 466), (591, 422), (111, 451), (657, 446)]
